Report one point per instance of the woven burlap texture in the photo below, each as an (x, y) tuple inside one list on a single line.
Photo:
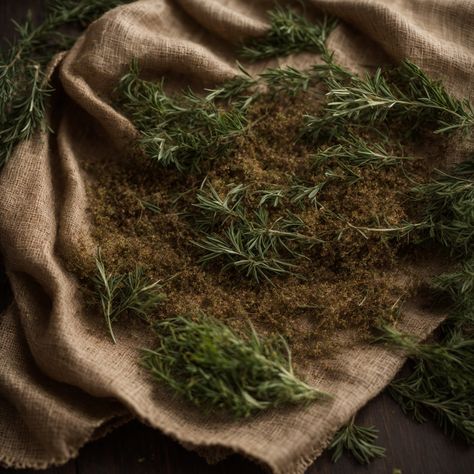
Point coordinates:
[(62, 381)]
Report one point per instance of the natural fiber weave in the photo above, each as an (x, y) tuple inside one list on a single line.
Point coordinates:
[(62, 381)]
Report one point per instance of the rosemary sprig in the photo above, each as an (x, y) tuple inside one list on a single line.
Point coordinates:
[(449, 207), (448, 214), (238, 249), (287, 80), (244, 89), (442, 381), (249, 241), (301, 193), (23, 86), (359, 441), (179, 131), (233, 88), (124, 293), (215, 209), (80, 11), (24, 113), (289, 33), (272, 197), (355, 151), (459, 284), (372, 99), (211, 366)]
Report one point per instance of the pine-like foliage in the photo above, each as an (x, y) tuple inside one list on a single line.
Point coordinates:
[(211, 366), (447, 215), (371, 99), (289, 33), (125, 293), (248, 240), (355, 151), (182, 130), (441, 385), (449, 208), (359, 441), (23, 86)]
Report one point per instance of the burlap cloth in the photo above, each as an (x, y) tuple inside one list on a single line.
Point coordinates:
[(62, 381)]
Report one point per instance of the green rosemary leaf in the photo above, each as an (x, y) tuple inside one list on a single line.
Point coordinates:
[(301, 193), (211, 366), (289, 33), (130, 293), (359, 441), (150, 206), (274, 197)]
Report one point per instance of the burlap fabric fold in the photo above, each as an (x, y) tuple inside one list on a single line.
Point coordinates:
[(62, 381)]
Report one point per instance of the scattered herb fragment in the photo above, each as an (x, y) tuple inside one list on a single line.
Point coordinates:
[(359, 441), (124, 293), (289, 33)]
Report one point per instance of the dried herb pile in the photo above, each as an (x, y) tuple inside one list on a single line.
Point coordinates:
[(272, 231)]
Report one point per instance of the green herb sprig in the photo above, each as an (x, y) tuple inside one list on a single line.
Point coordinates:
[(249, 241), (178, 131), (212, 367), (125, 293), (372, 99), (449, 207), (359, 441), (23, 86), (289, 33), (355, 151), (442, 381), (448, 211)]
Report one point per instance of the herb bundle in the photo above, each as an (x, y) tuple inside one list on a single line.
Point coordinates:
[(211, 366), (178, 132)]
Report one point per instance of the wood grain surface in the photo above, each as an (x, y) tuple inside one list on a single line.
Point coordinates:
[(137, 449)]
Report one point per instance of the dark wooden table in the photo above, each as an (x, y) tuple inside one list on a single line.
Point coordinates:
[(136, 449)]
